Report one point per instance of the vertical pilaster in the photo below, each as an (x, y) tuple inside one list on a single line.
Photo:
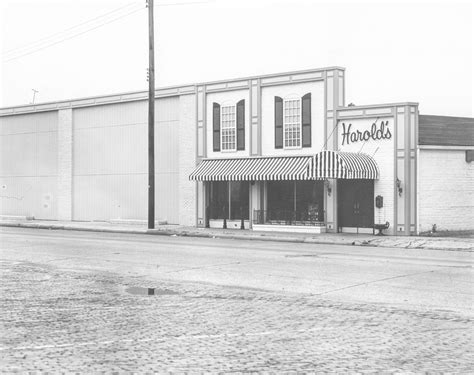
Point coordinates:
[(407, 174), (65, 164), (399, 179), (201, 150), (187, 159), (405, 169), (255, 118)]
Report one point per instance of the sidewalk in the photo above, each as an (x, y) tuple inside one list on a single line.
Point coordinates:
[(412, 242)]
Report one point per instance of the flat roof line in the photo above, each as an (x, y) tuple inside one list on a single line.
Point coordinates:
[(382, 105), (176, 87)]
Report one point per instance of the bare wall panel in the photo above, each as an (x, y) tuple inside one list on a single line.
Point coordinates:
[(110, 170), (28, 165)]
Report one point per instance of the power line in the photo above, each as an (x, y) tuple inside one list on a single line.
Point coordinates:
[(329, 136), (26, 46), (365, 141), (184, 3), (41, 47), (73, 36)]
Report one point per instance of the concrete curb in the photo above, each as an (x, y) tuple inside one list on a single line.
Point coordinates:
[(426, 245), (66, 227)]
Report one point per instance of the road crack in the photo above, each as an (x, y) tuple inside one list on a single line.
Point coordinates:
[(373, 281)]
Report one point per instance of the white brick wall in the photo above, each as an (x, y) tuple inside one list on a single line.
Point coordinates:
[(446, 190), (65, 164), (187, 159)]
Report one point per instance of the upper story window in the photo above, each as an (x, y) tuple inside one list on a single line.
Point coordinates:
[(228, 128), (292, 123)]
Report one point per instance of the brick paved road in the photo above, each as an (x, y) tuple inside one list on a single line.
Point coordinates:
[(57, 319)]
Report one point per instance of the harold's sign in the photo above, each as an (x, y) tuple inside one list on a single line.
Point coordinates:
[(377, 132)]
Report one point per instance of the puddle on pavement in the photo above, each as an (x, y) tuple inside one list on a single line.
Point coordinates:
[(141, 291)]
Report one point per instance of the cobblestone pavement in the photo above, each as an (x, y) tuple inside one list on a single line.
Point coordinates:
[(61, 320)]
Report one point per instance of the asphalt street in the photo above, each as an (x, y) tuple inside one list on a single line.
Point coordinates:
[(72, 301)]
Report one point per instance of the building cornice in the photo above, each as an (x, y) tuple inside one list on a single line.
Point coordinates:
[(220, 85)]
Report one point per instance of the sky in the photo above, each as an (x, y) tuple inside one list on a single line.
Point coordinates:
[(418, 51)]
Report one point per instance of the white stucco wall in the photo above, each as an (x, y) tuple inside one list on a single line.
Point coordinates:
[(383, 152), (445, 190), (317, 117)]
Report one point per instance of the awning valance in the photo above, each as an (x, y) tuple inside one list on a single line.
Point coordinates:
[(345, 165), (255, 169), (326, 164)]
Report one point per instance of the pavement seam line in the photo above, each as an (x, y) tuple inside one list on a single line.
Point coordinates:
[(210, 266), (374, 281)]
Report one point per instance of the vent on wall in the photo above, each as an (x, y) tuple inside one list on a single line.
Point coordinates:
[(469, 156)]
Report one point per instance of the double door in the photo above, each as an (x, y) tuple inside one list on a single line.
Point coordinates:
[(356, 203)]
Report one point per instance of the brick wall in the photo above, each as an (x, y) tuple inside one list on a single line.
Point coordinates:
[(446, 190), (187, 159)]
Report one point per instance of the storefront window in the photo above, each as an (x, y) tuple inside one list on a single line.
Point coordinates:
[(295, 201), (239, 200), (219, 200), (310, 200), (281, 195), (229, 200)]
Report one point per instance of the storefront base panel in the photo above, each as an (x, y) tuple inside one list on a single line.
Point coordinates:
[(231, 224), (289, 228), (357, 230)]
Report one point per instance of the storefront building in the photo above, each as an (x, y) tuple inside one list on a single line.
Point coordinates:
[(278, 152)]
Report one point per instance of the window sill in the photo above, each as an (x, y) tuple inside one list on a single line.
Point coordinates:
[(293, 148)]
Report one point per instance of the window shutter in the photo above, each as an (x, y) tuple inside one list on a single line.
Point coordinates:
[(306, 119), (278, 122), (216, 126), (241, 125)]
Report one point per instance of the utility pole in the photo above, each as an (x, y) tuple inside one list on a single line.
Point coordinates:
[(151, 119)]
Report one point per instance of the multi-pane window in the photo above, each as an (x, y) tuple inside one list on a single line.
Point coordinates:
[(292, 123), (228, 128)]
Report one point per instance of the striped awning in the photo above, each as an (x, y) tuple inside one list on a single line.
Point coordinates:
[(345, 165), (255, 169)]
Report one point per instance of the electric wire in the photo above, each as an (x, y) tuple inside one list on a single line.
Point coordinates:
[(42, 41), (39, 41), (183, 3), (329, 136), (73, 36), (365, 141)]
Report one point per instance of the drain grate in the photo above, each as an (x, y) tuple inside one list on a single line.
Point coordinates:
[(141, 291)]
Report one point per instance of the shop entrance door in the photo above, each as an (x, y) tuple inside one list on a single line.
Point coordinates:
[(356, 203)]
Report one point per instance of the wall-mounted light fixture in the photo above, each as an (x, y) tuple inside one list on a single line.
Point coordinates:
[(328, 187), (399, 187)]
